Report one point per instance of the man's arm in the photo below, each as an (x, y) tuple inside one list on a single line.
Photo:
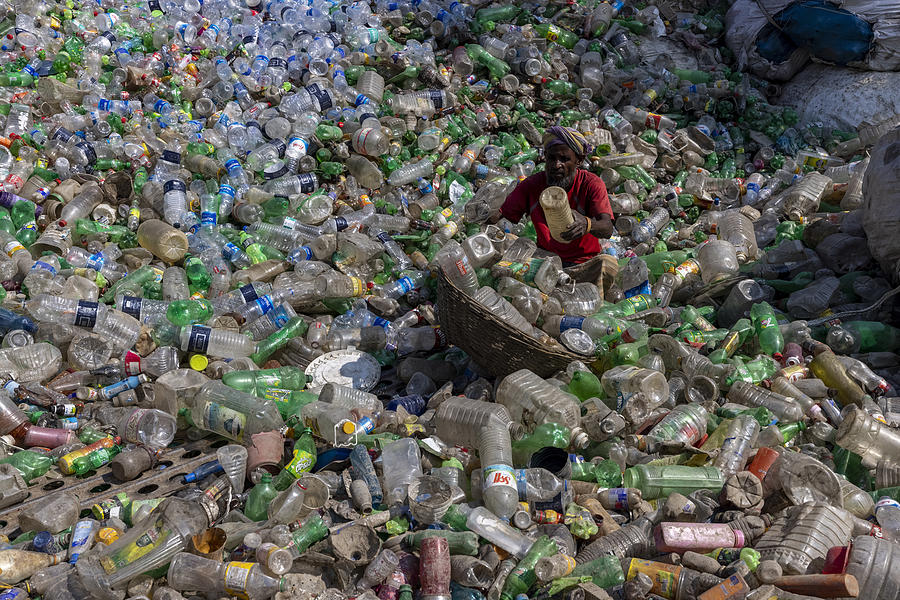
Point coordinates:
[(600, 226)]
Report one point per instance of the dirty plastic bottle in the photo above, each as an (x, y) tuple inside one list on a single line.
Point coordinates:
[(233, 578)]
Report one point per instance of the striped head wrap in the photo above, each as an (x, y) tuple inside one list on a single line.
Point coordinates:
[(567, 136)]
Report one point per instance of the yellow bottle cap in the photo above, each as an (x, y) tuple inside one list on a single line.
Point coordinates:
[(199, 362), (107, 535), (349, 427)]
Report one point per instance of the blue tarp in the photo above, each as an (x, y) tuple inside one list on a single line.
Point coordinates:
[(830, 34)]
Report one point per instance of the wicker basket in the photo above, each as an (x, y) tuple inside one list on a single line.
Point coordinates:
[(497, 347)]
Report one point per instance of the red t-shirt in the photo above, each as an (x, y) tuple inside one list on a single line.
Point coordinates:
[(587, 196)]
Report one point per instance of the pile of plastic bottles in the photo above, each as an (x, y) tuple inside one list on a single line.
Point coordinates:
[(210, 209)]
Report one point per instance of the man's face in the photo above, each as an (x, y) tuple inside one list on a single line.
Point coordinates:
[(561, 163)]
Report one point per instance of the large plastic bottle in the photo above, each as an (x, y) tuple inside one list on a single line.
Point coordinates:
[(803, 198), (495, 451), (401, 464), (530, 399), (233, 578), (231, 413), (460, 419)]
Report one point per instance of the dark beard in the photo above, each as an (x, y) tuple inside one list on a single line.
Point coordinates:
[(565, 183)]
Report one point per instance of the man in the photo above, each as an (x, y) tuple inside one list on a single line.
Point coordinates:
[(564, 150)]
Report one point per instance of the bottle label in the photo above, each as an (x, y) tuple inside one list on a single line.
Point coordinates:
[(886, 502), (359, 287), (499, 475), (570, 322), (198, 341), (405, 284), (320, 95), (173, 185), (237, 575), (95, 262), (132, 306), (249, 293), (618, 497), (653, 121), (223, 420), (307, 182), (230, 251), (41, 265), (12, 247), (131, 425), (665, 581), (264, 304), (86, 313), (132, 362), (340, 223)]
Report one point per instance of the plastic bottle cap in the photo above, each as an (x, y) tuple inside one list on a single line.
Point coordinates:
[(349, 427), (199, 362)]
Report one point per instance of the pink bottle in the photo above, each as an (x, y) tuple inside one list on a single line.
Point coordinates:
[(698, 537)]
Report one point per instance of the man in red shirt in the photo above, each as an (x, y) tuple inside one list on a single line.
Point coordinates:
[(564, 150)]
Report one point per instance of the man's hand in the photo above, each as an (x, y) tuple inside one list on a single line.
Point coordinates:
[(577, 229)]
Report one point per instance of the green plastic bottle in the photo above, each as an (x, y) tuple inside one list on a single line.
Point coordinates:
[(29, 463), (288, 377), (259, 498), (766, 325), (584, 385), (605, 571), (544, 436), (189, 312), (303, 461), (311, 532), (523, 577), (553, 33), (294, 327), (659, 481)]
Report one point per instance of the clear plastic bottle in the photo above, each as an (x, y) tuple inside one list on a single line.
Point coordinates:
[(231, 413), (460, 419), (736, 447), (867, 437), (634, 391), (66, 311), (804, 534), (401, 465), (499, 487), (189, 571), (649, 227), (733, 226), (718, 260), (215, 342), (411, 172), (787, 411), (685, 423), (490, 527), (455, 265), (532, 400), (147, 426), (803, 198)]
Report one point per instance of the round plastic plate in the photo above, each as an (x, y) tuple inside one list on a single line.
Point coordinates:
[(351, 368)]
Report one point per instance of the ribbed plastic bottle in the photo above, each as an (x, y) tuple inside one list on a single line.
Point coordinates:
[(531, 399), (499, 488), (460, 419)]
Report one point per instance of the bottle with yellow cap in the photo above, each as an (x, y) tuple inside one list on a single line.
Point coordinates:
[(330, 422)]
